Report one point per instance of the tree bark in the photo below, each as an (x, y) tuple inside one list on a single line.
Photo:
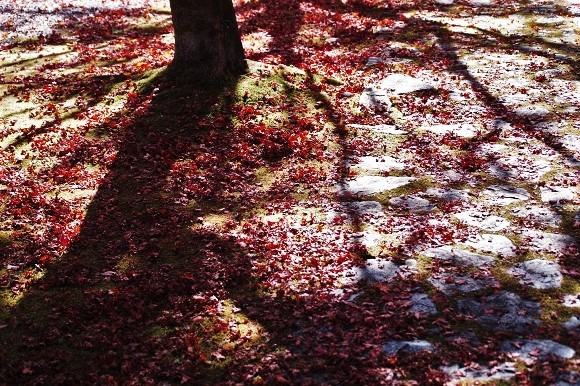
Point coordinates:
[(207, 39)]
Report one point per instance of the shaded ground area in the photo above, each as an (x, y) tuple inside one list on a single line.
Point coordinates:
[(389, 196)]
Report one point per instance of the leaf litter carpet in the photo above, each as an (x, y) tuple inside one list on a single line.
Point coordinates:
[(389, 196)]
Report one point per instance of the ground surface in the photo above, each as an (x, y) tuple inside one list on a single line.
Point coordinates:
[(390, 195)]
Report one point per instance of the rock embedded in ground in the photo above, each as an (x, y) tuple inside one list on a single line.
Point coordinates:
[(505, 195), (572, 323), (374, 98), (496, 244), (463, 130), (541, 215), (572, 300), (520, 168), (459, 256), (422, 304), (532, 112), (535, 349), (448, 194), (546, 242), (481, 373), (404, 84), (377, 270), (407, 346), (370, 239), (379, 129), (451, 284), (481, 220), (412, 203), (382, 164), (538, 273), (360, 208), (369, 185), (504, 311), (557, 194)]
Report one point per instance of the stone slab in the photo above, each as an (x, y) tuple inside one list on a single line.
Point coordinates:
[(538, 273), (535, 349), (504, 311), (459, 256)]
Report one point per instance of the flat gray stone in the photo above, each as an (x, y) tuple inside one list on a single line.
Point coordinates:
[(447, 194), (532, 112), (572, 323), (373, 97), (505, 195), (505, 311), (537, 349), (483, 220), (368, 185), (382, 164), (363, 207), (422, 304), (571, 142), (370, 239), (451, 284), (481, 373), (412, 203), (463, 130), (546, 242), (377, 270), (557, 194), (459, 256), (572, 300), (541, 215), (520, 168), (407, 346), (404, 84), (538, 273), (496, 244), (379, 129)]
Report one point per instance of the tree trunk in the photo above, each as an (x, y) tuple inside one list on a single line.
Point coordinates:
[(207, 39)]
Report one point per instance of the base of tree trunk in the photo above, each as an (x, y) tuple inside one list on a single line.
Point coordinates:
[(207, 40)]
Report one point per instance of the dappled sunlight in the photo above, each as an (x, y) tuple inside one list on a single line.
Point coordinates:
[(387, 196)]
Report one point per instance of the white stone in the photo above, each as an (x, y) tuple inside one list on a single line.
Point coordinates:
[(571, 142), (412, 203), (458, 256), (557, 194), (463, 130), (374, 98), (444, 2), (368, 185), (572, 300), (379, 129), (483, 220), (505, 195), (532, 112), (535, 349), (543, 216), (384, 163), (480, 3), (520, 168), (448, 194), (538, 273), (403, 84), (546, 242), (370, 239), (497, 244)]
